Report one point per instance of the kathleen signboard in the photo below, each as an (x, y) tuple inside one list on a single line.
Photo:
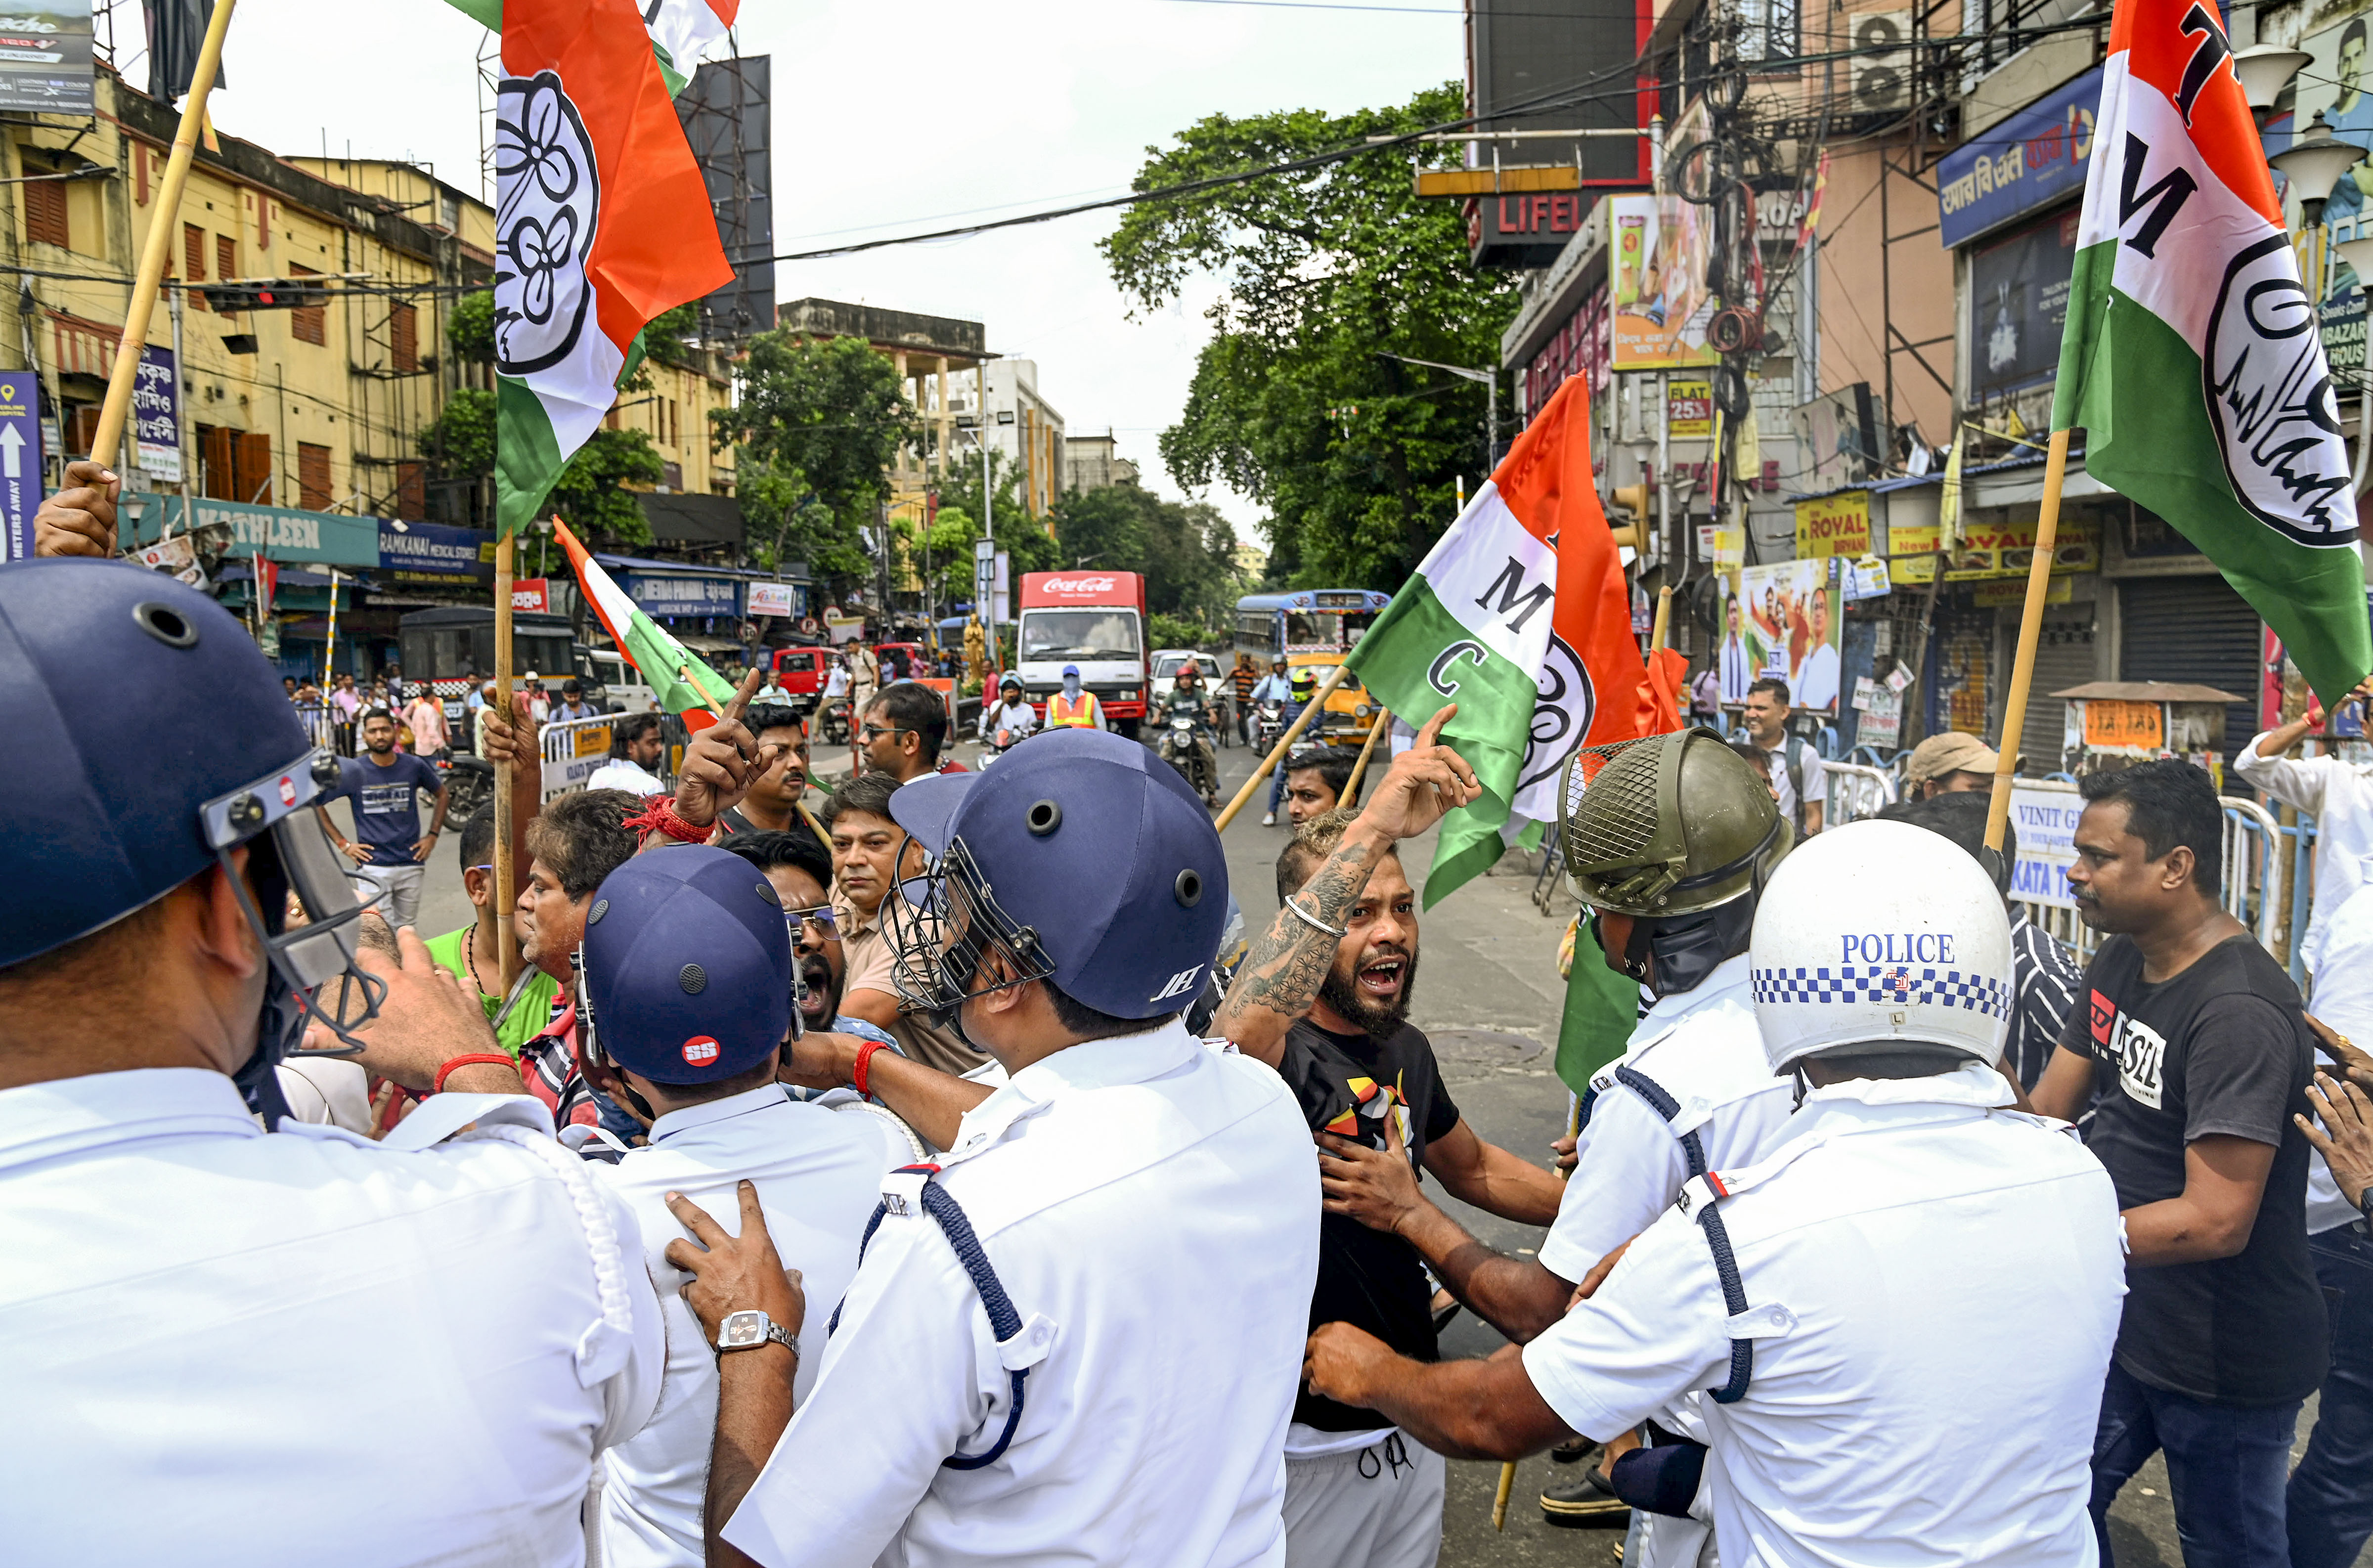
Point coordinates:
[(682, 595), (431, 551), (278, 533), (2035, 157)]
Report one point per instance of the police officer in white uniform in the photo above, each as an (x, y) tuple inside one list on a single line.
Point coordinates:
[(1859, 1304), (1031, 1365), (1673, 853), (227, 1345), (684, 1009)]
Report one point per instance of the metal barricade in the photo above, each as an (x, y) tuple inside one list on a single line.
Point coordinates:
[(573, 748), (2252, 867), (1854, 792), (2302, 864), (320, 722)]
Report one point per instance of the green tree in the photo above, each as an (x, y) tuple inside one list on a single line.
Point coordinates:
[(1187, 552), (1355, 455), (591, 495), (819, 425), (461, 440), (470, 326)]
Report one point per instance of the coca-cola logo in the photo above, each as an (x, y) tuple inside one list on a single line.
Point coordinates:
[(1081, 585)]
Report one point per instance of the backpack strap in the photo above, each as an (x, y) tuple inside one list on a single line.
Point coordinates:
[(1021, 1345), (1698, 1193)]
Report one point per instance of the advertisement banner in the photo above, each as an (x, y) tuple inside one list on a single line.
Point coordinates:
[(45, 58), (682, 595), (532, 593), (1659, 297), (1793, 630), (1833, 525), (2019, 305), (1689, 412), (843, 625), (2043, 818), (774, 599), (20, 461), (279, 533), (2028, 161), (156, 416), (1991, 550)]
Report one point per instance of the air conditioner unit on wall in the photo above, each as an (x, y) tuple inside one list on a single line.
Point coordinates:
[(1880, 77)]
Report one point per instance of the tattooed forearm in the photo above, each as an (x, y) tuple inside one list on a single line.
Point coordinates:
[(1286, 964)]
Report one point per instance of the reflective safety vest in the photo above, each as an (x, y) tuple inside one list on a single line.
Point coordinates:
[(1061, 712)]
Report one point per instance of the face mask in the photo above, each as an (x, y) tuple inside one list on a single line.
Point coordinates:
[(1071, 685)]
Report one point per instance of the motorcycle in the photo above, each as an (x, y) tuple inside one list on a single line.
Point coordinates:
[(1268, 724), (1180, 750), (470, 783), (834, 722), (997, 745)]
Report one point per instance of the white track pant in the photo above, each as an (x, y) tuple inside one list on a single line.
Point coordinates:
[(1373, 1507)]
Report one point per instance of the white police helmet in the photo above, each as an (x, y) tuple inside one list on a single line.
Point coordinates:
[(1875, 936)]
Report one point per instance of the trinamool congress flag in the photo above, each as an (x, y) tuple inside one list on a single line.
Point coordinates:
[(1521, 616), (682, 31), (2191, 358), (601, 223), (677, 675)]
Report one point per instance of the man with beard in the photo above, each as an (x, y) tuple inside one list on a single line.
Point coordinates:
[(773, 803), (1355, 1492)]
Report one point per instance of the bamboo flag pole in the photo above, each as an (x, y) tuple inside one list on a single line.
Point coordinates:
[(1351, 785), (158, 246), (1664, 620), (1293, 732), (506, 871), (2022, 670)]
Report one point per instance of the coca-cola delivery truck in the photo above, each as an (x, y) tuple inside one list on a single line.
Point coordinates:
[(1095, 620)]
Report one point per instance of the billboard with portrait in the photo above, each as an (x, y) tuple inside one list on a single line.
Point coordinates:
[(1793, 629), (1657, 291)]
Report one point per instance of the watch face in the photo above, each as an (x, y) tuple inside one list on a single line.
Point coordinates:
[(742, 1329)]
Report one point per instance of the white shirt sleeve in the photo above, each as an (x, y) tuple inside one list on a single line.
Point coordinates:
[(1809, 788), (2295, 783), (911, 1377), (1657, 1329), (1629, 1166)]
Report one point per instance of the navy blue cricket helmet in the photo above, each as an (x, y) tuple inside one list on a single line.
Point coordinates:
[(1084, 852), (688, 965)]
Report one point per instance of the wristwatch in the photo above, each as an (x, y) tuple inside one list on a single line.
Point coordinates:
[(748, 1329)]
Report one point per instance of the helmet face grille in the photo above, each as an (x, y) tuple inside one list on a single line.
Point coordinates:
[(1611, 805)]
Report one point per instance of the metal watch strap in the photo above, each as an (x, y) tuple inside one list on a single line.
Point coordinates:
[(775, 1334)]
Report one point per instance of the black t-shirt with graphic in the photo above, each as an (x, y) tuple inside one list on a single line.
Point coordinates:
[(1371, 1280), (2222, 1048)]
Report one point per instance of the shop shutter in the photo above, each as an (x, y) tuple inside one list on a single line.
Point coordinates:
[(2064, 658), (2194, 629)]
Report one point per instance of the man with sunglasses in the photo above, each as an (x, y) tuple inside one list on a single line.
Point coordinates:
[(799, 870), (902, 732), (260, 1336)]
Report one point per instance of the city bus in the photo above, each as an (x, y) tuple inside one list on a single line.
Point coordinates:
[(1314, 627)]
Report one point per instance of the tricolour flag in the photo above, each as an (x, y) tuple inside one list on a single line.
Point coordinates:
[(601, 223), (675, 675), (1521, 616), (2192, 357), (680, 30)]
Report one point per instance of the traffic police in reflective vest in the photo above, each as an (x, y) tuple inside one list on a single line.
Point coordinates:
[(1031, 1365), (1858, 1305), (1074, 707), (227, 1345)]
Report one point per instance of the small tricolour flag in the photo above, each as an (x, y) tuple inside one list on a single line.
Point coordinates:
[(680, 30), (1521, 616), (2192, 357), (677, 675), (601, 223)]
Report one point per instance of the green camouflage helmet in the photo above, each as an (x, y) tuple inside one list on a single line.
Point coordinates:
[(1668, 825)]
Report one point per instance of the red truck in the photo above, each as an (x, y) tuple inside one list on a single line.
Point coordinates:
[(1093, 619)]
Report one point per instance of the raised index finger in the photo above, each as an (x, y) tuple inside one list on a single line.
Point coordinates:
[(1432, 733), (741, 699)]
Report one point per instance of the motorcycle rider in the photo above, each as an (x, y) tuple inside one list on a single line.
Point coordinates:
[(1188, 699), (1009, 721)]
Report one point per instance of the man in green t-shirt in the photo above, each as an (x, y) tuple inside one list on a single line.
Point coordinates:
[(472, 954)]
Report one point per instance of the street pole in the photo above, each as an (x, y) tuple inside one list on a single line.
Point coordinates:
[(181, 427)]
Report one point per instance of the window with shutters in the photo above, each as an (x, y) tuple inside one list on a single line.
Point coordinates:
[(82, 427), (225, 256), (193, 261), (403, 338), (215, 466), (312, 476), (309, 324), (45, 209), (251, 467), (411, 489)]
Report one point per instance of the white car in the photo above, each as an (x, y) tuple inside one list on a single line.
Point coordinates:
[(628, 693), (1168, 662)]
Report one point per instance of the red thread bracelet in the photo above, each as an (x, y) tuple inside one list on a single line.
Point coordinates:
[(864, 1056), (437, 1086), (659, 817)]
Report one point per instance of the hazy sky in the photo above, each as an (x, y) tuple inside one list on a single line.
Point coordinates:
[(893, 116)]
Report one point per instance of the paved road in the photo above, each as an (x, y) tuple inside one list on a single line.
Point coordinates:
[(1490, 1000)]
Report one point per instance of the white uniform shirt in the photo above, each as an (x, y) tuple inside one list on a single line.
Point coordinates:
[(1897, 1253), (819, 1177), (1151, 1208), (2341, 800), (1703, 1049), (620, 774), (1020, 718), (229, 1347), (2344, 998), (1803, 782)]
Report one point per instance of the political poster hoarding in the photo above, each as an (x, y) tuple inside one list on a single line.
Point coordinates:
[(45, 57), (1659, 298), (1794, 631)]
